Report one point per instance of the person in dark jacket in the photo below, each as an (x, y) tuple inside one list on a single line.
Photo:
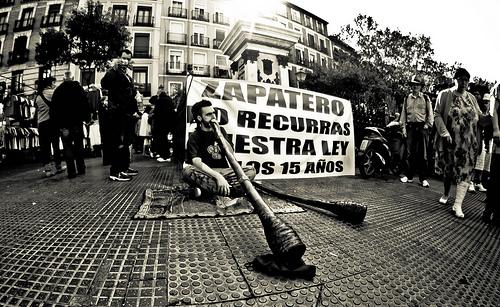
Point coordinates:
[(163, 118), (122, 116), (68, 111)]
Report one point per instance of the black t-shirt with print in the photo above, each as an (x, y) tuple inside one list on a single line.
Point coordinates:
[(203, 144)]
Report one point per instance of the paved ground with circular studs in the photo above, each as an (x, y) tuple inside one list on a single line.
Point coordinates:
[(75, 243)]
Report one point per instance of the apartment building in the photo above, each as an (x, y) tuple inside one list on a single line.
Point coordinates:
[(21, 22), (142, 19), (170, 39), (193, 30)]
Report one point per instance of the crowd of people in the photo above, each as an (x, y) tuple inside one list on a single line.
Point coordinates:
[(462, 129), (63, 110), (466, 130)]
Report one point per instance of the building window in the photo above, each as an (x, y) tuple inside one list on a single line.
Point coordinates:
[(119, 13), (144, 16), (140, 76), (26, 20), (219, 37), (198, 38), (307, 21), (200, 66), (174, 88), (295, 15), (175, 61), (16, 83), (177, 10), (310, 41), (54, 9), (141, 45), (323, 62), (53, 18), (300, 56), (27, 13), (221, 68), (4, 23), (176, 34), (312, 58), (322, 46), (19, 53), (3, 17)]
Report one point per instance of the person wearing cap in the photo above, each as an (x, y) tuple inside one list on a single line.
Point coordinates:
[(456, 116), (485, 134), (417, 119)]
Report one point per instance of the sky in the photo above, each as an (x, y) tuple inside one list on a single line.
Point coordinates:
[(464, 31)]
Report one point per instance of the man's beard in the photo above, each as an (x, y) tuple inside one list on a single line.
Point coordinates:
[(205, 124)]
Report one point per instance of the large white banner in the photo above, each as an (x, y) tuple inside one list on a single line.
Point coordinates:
[(283, 132)]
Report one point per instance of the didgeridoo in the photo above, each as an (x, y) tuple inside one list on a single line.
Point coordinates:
[(283, 241)]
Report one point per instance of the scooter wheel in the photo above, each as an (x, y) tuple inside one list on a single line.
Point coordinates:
[(367, 164)]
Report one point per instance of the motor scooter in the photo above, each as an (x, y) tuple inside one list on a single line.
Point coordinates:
[(382, 150)]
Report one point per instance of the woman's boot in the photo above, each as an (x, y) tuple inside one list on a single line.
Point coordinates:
[(459, 198)]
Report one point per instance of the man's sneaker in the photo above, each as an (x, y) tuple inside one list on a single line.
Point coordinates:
[(444, 200), (405, 179), (425, 184), (471, 188), (480, 188), (161, 160), (121, 176), (131, 172)]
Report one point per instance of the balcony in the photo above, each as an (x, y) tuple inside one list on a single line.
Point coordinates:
[(197, 15), (52, 20), (200, 70), (143, 54), (220, 19), (142, 21), (24, 24), (176, 68), (18, 57), (5, 3), (216, 43), (4, 28), (176, 38), (200, 41), (143, 88), (177, 12), (221, 72)]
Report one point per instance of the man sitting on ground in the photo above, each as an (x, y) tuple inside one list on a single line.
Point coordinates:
[(207, 169)]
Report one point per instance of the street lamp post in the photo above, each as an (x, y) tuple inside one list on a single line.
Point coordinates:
[(301, 76)]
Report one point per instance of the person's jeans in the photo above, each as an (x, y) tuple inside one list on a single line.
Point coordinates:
[(120, 137), (49, 136), (72, 139), (416, 146), (195, 177)]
